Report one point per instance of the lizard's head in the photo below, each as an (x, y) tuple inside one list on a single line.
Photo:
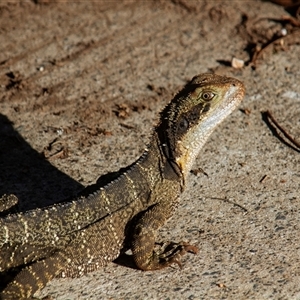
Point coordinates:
[(193, 114)]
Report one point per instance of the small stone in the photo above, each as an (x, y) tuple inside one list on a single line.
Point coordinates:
[(237, 63)]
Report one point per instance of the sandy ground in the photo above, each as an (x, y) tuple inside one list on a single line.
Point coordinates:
[(80, 88)]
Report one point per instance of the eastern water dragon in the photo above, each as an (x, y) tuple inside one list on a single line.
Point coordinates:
[(82, 235)]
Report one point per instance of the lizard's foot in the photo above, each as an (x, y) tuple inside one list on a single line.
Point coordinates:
[(171, 253)]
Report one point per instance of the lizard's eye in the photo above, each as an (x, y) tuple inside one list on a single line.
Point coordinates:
[(207, 96)]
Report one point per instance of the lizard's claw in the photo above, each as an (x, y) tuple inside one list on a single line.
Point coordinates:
[(190, 248), (173, 251)]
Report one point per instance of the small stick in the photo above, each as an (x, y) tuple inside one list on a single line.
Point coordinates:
[(228, 201), (271, 43), (197, 171), (263, 178), (288, 136)]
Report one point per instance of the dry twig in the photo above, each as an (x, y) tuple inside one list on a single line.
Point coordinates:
[(231, 202), (285, 133)]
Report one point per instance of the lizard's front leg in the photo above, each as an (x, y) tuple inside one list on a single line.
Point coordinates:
[(143, 242)]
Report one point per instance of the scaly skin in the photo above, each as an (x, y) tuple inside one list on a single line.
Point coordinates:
[(83, 235)]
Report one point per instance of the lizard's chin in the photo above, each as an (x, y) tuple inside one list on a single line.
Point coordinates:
[(188, 156)]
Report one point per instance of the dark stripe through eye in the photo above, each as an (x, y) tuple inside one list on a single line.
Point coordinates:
[(191, 117)]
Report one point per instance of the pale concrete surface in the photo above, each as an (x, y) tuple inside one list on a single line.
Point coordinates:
[(83, 83)]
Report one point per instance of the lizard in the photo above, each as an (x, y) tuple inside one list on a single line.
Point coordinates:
[(80, 236)]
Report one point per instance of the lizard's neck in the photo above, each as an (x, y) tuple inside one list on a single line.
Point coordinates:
[(159, 166)]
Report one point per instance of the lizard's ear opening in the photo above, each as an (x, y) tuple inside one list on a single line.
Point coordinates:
[(182, 126)]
